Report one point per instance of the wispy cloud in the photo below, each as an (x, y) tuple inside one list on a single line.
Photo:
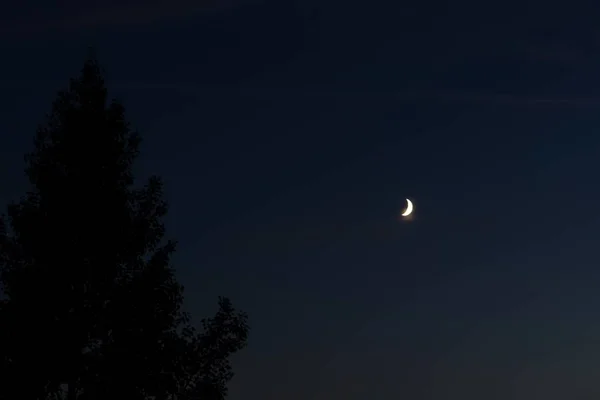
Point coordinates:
[(442, 96), (73, 17), (507, 99)]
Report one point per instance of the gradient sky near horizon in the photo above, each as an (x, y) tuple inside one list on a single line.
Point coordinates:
[(289, 134)]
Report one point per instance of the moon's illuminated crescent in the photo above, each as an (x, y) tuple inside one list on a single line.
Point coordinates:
[(409, 208)]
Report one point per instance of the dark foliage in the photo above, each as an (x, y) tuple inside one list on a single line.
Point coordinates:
[(92, 309)]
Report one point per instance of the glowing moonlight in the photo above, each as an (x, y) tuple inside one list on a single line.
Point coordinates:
[(409, 208)]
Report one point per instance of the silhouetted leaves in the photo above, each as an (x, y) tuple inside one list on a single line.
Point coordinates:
[(93, 309)]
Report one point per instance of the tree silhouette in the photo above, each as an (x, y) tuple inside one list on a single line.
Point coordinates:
[(92, 308)]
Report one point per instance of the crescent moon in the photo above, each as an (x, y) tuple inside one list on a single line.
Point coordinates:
[(409, 208)]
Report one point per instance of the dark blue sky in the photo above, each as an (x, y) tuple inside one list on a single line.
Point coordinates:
[(289, 134)]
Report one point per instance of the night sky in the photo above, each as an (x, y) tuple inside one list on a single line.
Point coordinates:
[(289, 134)]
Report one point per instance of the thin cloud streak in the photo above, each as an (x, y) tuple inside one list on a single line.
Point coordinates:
[(511, 99), (429, 95), (123, 15), (444, 96)]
